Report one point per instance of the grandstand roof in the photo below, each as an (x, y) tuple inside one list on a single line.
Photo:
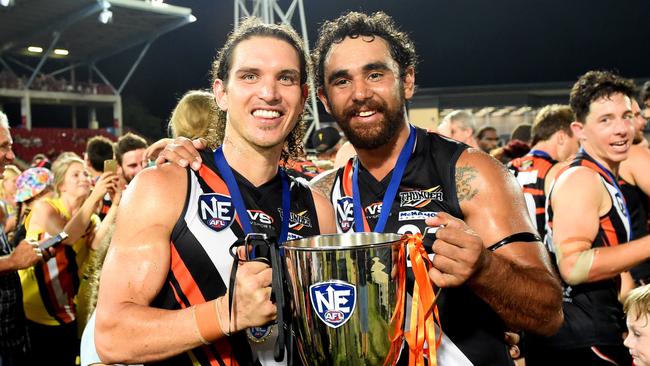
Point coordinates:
[(37, 23)]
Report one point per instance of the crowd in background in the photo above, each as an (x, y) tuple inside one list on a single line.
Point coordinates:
[(42, 82)]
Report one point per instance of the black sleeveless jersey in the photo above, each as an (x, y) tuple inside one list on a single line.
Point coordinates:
[(200, 260), (592, 313), (637, 205), (530, 171), (473, 334)]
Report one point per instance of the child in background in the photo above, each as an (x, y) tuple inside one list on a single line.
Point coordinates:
[(637, 308)]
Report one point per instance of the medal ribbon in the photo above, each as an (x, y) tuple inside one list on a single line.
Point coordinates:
[(424, 311), (360, 222), (238, 201), (540, 154)]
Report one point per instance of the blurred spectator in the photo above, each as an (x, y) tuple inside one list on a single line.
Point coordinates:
[(49, 289), (130, 152), (513, 149), (41, 161), (8, 199), (459, 125), (32, 185), (487, 138), (645, 99), (98, 150), (553, 142), (326, 142), (193, 114), (522, 132)]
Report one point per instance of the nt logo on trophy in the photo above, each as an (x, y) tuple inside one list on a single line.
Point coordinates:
[(333, 301)]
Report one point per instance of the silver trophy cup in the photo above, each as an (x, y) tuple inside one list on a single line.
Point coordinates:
[(343, 294)]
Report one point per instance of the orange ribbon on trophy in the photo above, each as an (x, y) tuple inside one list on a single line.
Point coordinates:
[(424, 312)]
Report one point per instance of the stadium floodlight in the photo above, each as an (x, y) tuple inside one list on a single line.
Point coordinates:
[(35, 49), (61, 52), (106, 16), (7, 3)]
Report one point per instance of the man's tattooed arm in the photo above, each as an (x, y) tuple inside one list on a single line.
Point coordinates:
[(464, 177)]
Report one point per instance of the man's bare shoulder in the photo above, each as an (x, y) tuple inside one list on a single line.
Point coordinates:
[(638, 154), (577, 182), (323, 182), (479, 174), (156, 188), (156, 177)]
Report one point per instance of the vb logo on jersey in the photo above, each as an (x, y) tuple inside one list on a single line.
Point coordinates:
[(345, 213), (216, 211), (333, 302)]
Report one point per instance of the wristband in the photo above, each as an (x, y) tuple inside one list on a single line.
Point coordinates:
[(525, 237), (207, 321), (196, 326)]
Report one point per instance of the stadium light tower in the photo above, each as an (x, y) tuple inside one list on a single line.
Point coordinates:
[(271, 12)]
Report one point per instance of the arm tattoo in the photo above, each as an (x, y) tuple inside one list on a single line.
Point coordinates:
[(464, 176)]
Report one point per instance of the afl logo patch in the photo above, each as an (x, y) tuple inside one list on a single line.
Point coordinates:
[(345, 213), (216, 211), (259, 334), (333, 302)]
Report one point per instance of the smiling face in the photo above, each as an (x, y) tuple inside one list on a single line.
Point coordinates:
[(132, 164), (607, 132), (638, 338), (263, 96), (76, 181), (363, 90)]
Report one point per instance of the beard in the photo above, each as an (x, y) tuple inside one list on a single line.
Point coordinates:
[(375, 135), (638, 136)]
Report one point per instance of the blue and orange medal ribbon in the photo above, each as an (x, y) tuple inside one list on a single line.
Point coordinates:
[(424, 312)]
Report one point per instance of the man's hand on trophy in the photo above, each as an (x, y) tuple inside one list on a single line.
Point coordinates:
[(182, 151), (252, 306), (459, 252)]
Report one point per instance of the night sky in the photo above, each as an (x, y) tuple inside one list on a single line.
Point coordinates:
[(459, 43)]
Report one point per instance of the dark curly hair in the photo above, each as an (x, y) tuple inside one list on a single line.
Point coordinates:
[(595, 85), (353, 25), (249, 28)]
